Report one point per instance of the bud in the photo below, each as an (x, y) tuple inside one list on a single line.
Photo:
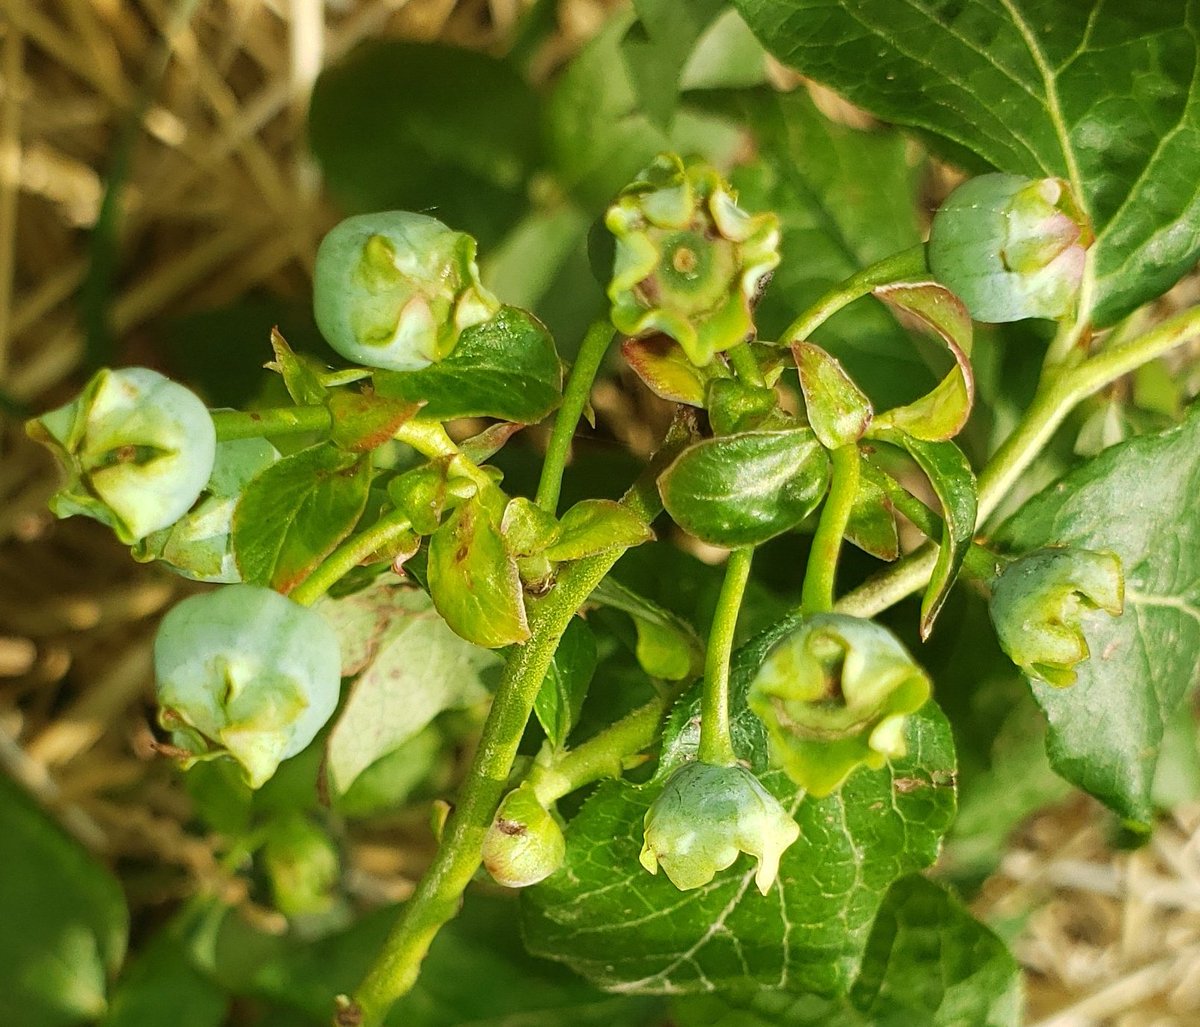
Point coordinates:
[(834, 694), (137, 449), (1011, 247), (248, 673), (524, 845), (199, 545), (705, 816), (395, 290), (302, 865), (690, 263), (1039, 603)]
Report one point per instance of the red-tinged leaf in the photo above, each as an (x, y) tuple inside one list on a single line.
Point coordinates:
[(667, 371), (363, 421), (941, 413)]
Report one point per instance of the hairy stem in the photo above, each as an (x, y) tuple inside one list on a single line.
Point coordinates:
[(575, 398), (604, 754), (716, 745), (255, 424), (817, 594), (349, 555), (906, 264), (439, 892)]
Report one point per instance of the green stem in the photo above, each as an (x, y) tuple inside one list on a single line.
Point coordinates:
[(349, 555), (742, 360), (255, 424), (907, 264), (439, 892), (716, 744), (1058, 394), (604, 754), (817, 594), (575, 399)]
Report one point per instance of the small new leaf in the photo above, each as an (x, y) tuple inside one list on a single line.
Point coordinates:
[(838, 410), (594, 526)]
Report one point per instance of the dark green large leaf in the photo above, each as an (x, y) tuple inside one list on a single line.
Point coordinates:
[(1100, 94), (295, 513), (928, 964), (423, 126), (606, 917), (1138, 500), (506, 368), (162, 978), (63, 923)]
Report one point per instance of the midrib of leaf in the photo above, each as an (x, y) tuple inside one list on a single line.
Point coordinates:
[(1179, 603)]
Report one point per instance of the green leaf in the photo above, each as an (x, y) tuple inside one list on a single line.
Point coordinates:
[(808, 934), (1099, 95), (594, 526), (928, 963), (64, 920), (565, 686), (941, 413), (417, 669), (741, 490), (1138, 500), (872, 524), (845, 199), (364, 421), (473, 578), (953, 483), (163, 977), (293, 514), (418, 126), (837, 409), (657, 47), (505, 368), (668, 647)]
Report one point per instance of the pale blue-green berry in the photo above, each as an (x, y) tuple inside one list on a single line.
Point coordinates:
[(706, 815), (524, 844), (835, 694), (199, 545), (245, 672), (394, 290), (1040, 603), (1011, 247), (137, 449), (690, 263)]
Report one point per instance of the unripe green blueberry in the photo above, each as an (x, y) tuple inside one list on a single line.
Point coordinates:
[(834, 694), (302, 865), (245, 672), (138, 449), (394, 290), (199, 545), (690, 262), (524, 844), (1011, 247), (1039, 604), (706, 815)]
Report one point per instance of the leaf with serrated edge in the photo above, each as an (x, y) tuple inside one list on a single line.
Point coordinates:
[(419, 668), (295, 513), (1099, 94), (953, 482), (505, 368), (1138, 500), (941, 413), (627, 931)]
